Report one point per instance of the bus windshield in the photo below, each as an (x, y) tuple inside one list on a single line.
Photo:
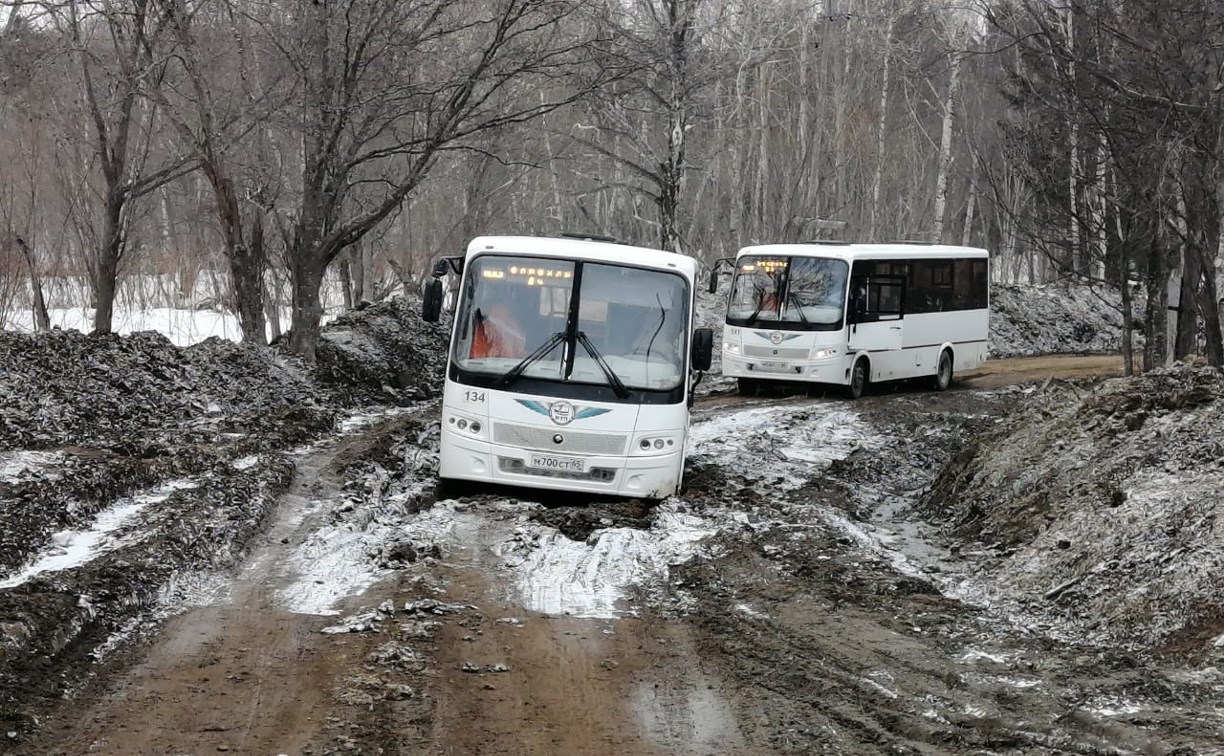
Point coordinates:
[(514, 319), (797, 292)]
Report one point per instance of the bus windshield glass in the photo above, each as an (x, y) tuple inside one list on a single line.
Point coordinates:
[(515, 319), (798, 292)]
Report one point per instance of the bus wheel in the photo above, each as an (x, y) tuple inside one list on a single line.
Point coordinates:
[(748, 386), (943, 374), (859, 378), (449, 488)]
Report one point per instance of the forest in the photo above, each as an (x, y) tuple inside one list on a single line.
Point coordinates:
[(270, 147)]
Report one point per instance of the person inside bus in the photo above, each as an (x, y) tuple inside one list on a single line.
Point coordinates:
[(498, 333), (858, 300)]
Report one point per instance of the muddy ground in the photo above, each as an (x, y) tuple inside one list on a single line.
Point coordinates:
[(802, 596)]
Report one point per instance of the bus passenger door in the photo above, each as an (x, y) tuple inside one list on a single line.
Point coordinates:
[(876, 313)]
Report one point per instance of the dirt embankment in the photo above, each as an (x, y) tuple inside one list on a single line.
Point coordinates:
[(127, 462), (1102, 503)]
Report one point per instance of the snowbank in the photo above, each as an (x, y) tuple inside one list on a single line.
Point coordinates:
[(1053, 319), (1103, 505)]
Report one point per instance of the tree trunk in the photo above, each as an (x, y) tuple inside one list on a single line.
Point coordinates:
[(105, 279), (42, 320), (1073, 227), (970, 206), (877, 180), (307, 277), (1209, 306), (361, 265), (1128, 325), (271, 298), (945, 148), (1156, 315), (1100, 251), (346, 280), (677, 129)]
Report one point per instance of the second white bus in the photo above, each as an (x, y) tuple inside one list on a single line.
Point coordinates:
[(855, 314)]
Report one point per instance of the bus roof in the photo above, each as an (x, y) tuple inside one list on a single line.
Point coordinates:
[(851, 252), (585, 249)]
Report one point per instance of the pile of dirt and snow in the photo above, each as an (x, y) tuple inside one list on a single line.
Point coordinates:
[(1099, 509), (126, 461), (1028, 320), (384, 353)]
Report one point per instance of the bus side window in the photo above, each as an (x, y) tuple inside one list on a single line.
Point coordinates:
[(858, 300)]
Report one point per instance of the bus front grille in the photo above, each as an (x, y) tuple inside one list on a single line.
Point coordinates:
[(793, 353), (545, 439)]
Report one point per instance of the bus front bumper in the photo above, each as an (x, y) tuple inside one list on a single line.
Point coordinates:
[(645, 476), (831, 370)]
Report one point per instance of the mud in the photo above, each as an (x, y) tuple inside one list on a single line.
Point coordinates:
[(801, 596)]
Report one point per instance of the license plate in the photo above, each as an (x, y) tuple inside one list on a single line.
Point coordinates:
[(564, 464), (770, 365)]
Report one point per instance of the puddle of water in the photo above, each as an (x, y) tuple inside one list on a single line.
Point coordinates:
[(694, 718), (73, 548)]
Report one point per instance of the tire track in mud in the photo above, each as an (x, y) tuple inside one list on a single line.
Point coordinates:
[(786, 603), (835, 629), (237, 671)]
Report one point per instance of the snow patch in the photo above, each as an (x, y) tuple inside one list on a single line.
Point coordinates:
[(15, 465), (246, 463), (328, 567), (783, 445), (336, 561), (73, 548), (553, 575)]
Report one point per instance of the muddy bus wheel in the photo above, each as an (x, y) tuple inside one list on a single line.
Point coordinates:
[(859, 378), (943, 373)]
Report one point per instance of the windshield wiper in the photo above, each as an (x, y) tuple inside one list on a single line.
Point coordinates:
[(515, 372), (798, 307), (618, 386)]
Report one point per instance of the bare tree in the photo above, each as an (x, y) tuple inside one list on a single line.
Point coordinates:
[(386, 87), (106, 45), (644, 119), (214, 131)]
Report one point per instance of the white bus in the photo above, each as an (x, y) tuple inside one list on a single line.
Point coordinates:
[(853, 314), (572, 365)]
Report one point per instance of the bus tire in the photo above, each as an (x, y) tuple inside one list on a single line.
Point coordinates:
[(748, 386), (943, 371), (451, 488), (860, 377)]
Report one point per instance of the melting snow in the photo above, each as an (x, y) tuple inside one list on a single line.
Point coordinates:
[(330, 566), (592, 579), (73, 548), (335, 562), (16, 464), (790, 439), (246, 463)]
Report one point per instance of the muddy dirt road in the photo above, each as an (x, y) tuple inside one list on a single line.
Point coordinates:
[(788, 602)]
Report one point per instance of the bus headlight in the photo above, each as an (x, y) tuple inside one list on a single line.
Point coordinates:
[(656, 444), (466, 426), (732, 348), (823, 353)]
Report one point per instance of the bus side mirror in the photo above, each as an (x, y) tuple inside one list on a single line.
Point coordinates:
[(714, 280), (703, 348), (441, 268), (431, 304)]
